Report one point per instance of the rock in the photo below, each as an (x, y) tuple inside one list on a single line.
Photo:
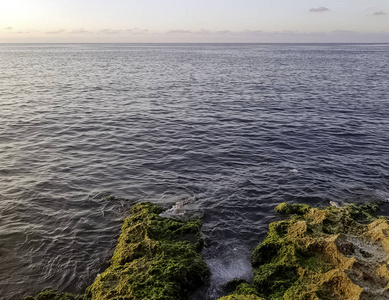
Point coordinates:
[(156, 258), (233, 284), (347, 248), (54, 295), (331, 253), (336, 204), (243, 291)]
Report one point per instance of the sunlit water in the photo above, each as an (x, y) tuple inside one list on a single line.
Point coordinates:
[(236, 129)]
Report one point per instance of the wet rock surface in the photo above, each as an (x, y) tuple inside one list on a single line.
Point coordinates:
[(330, 253), (54, 295), (156, 258)]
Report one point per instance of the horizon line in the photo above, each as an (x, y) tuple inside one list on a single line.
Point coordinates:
[(259, 43)]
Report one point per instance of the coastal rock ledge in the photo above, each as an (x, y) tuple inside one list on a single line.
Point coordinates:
[(330, 253), (155, 258)]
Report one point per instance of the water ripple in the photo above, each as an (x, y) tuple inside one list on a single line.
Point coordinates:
[(240, 128)]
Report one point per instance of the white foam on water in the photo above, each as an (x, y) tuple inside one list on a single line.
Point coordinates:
[(382, 195), (180, 210), (234, 263)]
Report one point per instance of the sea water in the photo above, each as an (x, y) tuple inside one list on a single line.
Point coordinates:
[(222, 131)]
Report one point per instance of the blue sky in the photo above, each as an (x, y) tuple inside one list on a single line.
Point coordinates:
[(194, 21)]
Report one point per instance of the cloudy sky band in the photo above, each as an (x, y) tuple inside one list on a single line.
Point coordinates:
[(194, 20)]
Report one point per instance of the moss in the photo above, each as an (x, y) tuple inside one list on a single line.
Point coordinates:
[(246, 289), (363, 212), (330, 253), (240, 297), (289, 209), (53, 295), (323, 254), (156, 258), (243, 290)]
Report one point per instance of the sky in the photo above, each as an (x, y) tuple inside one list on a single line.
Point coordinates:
[(175, 21)]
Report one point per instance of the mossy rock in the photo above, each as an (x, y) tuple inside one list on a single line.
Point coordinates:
[(331, 253), (289, 209), (156, 258), (241, 290), (53, 295), (240, 297)]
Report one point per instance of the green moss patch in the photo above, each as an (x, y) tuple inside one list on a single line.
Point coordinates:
[(53, 295), (156, 258), (243, 291), (331, 253)]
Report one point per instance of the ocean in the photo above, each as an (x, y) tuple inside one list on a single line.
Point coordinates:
[(227, 131)]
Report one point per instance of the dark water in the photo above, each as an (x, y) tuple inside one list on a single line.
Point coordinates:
[(240, 128)]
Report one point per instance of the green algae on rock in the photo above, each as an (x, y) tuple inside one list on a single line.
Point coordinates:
[(240, 297), (53, 295), (156, 258), (243, 291), (331, 253)]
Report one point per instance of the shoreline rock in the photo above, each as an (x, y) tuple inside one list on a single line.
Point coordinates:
[(330, 253), (155, 258)]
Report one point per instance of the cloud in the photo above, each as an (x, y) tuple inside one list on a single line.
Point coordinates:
[(110, 31), (319, 9), (80, 31), (282, 36), (379, 13), (105, 31), (8, 28), (204, 31), (136, 30), (180, 35), (198, 32), (59, 31), (180, 31)]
